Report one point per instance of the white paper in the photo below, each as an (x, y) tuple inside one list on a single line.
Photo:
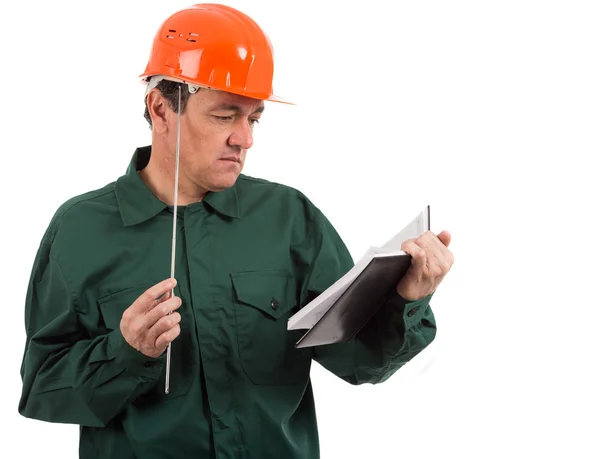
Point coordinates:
[(413, 230)]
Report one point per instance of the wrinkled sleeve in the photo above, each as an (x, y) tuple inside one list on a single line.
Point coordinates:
[(69, 376), (394, 335)]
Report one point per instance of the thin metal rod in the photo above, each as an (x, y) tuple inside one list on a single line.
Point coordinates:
[(174, 240)]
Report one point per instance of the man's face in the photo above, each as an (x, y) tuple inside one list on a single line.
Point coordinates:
[(216, 133)]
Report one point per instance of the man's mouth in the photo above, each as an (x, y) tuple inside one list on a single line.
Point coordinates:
[(234, 159)]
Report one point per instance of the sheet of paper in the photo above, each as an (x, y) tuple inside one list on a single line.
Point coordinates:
[(414, 229)]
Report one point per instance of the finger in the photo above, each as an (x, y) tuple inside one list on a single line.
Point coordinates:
[(163, 325), (419, 257), (427, 240), (161, 310), (161, 300), (443, 253), (445, 237), (165, 338), (152, 296), (439, 256), (165, 297)]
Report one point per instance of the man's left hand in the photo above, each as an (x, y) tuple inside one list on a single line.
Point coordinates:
[(431, 261)]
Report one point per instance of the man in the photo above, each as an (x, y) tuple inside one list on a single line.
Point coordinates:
[(249, 253)]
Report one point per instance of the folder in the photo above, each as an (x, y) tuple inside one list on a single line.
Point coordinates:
[(342, 310)]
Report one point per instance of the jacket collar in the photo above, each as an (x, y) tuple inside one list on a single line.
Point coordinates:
[(137, 203)]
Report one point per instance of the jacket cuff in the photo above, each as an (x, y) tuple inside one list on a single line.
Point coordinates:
[(133, 361), (412, 311)]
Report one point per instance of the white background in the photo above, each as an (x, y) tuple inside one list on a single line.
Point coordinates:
[(486, 110)]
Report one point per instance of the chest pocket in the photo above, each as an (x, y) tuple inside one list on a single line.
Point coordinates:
[(263, 303), (183, 361)]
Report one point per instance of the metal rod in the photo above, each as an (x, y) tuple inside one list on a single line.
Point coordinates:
[(174, 240)]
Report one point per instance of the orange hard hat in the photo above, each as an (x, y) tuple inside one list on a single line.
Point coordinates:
[(213, 46)]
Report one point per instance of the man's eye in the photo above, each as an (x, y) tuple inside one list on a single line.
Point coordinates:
[(224, 118), (254, 121)]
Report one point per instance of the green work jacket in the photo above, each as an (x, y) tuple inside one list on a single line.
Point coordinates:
[(247, 258)]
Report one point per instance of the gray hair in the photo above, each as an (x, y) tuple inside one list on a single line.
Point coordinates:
[(170, 91)]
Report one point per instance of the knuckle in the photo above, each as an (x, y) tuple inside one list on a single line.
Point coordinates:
[(163, 309), (170, 303), (126, 317), (147, 297), (174, 303), (176, 331), (172, 321), (408, 242), (137, 328)]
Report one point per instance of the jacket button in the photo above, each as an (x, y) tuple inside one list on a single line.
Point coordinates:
[(412, 312), (275, 304)]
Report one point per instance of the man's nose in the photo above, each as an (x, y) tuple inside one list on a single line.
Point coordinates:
[(242, 136)]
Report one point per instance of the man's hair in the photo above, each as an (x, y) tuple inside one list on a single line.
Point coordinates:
[(170, 91)]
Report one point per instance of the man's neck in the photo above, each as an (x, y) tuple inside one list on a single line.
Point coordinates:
[(159, 177)]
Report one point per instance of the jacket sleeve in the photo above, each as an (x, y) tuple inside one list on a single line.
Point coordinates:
[(394, 335), (70, 372)]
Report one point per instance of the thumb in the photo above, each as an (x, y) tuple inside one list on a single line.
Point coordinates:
[(445, 237)]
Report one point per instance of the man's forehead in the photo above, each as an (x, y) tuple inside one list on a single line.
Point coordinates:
[(225, 100)]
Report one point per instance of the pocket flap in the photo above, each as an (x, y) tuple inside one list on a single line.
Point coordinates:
[(113, 306), (272, 292)]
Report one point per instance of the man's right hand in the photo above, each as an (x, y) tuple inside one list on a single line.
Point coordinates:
[(147, 324)]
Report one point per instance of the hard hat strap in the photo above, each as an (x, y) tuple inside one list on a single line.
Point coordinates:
[(155, 79)]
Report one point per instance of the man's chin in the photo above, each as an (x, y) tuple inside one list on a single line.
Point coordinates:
[(224, 182)]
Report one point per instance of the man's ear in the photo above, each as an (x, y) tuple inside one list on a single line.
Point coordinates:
[(157, 108)]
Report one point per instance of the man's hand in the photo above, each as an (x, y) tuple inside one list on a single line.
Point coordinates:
[(431, 261), (147, 324)]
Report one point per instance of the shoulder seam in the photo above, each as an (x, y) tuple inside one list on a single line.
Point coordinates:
[(81, 198), (62, 211)]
